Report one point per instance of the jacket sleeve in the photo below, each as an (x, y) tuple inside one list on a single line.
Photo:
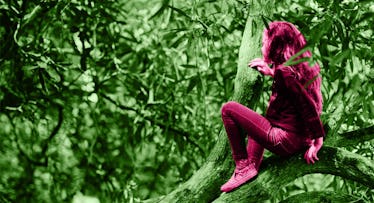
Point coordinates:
[(303, 102)]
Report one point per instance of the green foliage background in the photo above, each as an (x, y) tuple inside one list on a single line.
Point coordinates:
[(120, 99)]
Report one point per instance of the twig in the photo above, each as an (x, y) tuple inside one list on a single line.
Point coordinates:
[(54, 131)]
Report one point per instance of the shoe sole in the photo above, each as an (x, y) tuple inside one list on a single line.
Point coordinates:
[(236, 187)]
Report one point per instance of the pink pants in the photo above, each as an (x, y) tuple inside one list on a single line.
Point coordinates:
[(240, 120)]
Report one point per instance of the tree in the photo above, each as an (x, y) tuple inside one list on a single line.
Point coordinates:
[(276, 172), (120, 99)]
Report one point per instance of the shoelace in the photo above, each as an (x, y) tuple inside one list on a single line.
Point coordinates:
[(242, 171)]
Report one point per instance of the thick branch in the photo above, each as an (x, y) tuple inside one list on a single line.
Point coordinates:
[(278, 172)]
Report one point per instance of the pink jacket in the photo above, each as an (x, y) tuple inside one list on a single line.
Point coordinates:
[(291, 107)]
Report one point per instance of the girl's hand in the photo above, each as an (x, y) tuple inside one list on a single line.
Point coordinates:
[(311, 154), (261, 66)]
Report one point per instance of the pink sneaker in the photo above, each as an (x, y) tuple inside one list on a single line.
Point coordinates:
[(256, 163), (240, 177)]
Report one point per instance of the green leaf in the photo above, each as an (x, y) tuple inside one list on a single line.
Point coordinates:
[(366, 16), (291, 61), (164, 5), (193, 82), (265, 22), (320, 29), (180, 11), (340, 29), (337, 59), (189, 66)]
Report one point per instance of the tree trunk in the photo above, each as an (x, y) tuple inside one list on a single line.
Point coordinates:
[(276, 172)]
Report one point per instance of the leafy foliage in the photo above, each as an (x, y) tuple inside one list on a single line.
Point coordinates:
[(136, 84), (120, 99)]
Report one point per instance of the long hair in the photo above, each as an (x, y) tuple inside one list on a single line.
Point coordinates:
[(282, 40)]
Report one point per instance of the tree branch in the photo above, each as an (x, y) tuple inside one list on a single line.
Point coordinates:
[(278, 172), (54, 131)]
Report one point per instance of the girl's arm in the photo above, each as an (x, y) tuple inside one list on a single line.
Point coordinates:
[(303, 102)]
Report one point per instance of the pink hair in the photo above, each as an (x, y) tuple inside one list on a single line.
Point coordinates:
[(281, 40)]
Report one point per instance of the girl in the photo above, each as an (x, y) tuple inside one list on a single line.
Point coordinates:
[(292, 120)]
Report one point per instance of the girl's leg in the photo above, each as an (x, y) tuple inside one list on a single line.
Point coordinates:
[(261, 134), (236, 116), (255, 152)]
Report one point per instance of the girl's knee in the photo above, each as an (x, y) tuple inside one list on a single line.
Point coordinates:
[(226, 107)]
